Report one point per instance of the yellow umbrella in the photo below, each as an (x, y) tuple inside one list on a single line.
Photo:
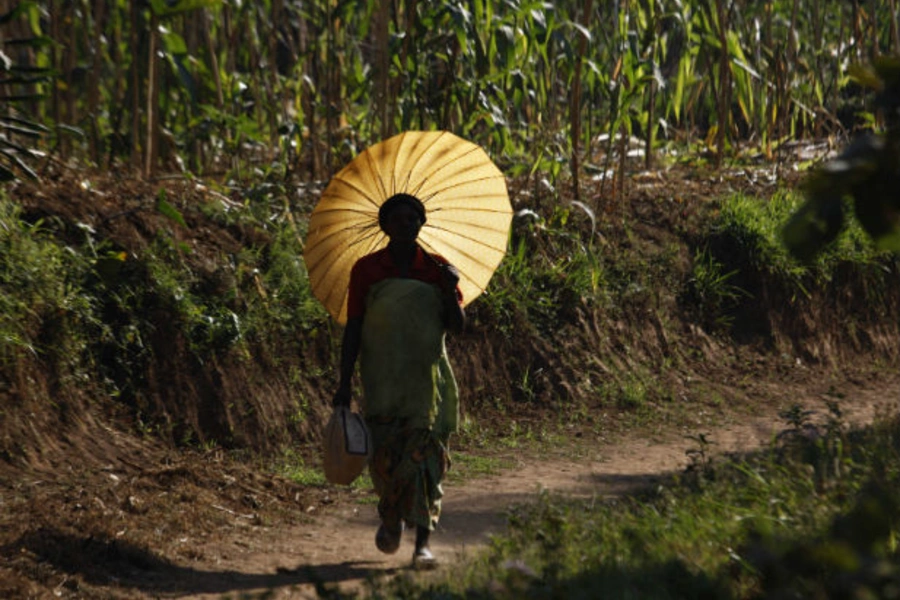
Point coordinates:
[(466, 202)]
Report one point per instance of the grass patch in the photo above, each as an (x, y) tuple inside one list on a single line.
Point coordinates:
[(294, 467), (814, 515), (551, 269), (751, 228), (466, 466), (741, 272), (43, 310), (470, 465)]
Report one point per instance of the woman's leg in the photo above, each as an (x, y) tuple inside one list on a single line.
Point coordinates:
[(407, 469), (387, 454)]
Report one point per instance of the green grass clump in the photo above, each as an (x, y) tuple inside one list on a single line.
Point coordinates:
[(99, 315), (754, 226), (293, 466), (42, 307), (741, 267), (550, 270), (470, 465)]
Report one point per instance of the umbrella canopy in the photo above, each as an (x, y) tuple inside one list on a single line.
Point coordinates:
[(468, 213)]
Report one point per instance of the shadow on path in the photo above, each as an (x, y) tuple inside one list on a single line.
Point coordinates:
[(110, 562)]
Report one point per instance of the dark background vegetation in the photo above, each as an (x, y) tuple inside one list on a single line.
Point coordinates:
[(160, 159)]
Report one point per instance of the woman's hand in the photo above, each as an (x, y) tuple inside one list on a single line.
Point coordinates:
[(449, 277), (342, 397), (454, 317)]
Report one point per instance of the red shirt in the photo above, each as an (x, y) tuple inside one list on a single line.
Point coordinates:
[(372, 268)]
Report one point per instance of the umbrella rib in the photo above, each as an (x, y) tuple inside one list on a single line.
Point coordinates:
[(442, 190), (461, 214), (394, 185), (337, 263), (440, 167), (366, 235), (369, 215), (370, 161), (362, 192), (485, 198), (419, 187), (468, 182), (472, 239), (459, 228), (476, 196), (473, 259), (394, 167)]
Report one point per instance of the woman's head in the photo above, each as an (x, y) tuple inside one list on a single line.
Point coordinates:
[(401, 215)]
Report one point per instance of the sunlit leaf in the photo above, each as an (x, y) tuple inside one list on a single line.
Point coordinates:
[(16, 129), (743, 65), (20, 165), (172, 42), (584, 31), (166, 209), (71, 130)]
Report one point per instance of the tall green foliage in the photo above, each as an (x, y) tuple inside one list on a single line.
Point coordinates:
[(40, 306), (217, 86), (19, 89)]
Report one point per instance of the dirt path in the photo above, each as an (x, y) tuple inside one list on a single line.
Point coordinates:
[(337, 547)]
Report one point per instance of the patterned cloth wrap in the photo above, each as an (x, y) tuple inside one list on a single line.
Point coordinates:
[(410, 399)]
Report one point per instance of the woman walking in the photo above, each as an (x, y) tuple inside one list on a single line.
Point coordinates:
[(401, 301)]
